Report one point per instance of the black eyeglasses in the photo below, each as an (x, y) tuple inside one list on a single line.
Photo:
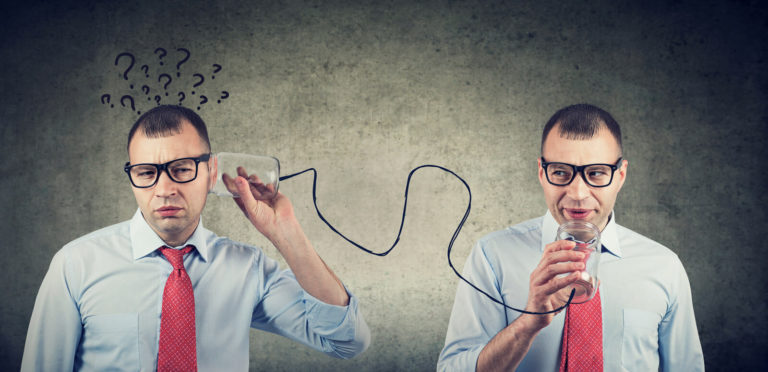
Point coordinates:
[(180, 171), (595, 175)]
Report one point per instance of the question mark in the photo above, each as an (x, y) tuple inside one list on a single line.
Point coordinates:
[(145, 68), (216, 68), (203, 100), (107, 98), (202, 79), (181, 94), (224, 95), (129, 55), (145, 89), (165, 86), (178, 65), (122, 102), (157, 99), (161, 55)]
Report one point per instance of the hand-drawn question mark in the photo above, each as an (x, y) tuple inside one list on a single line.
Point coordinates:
[(117, 60), (202, 79), (133, 107), (203, 100), (224, 95), (157, 99), (182, 96), (145, 89), (165, 86), (178, 65), (145, 68), (106, 97), (161, 55), (216, 68)]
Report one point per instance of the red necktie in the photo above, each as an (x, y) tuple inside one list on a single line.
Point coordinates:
[(583, 337), (177, 351)]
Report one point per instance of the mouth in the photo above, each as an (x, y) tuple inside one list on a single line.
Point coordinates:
[(168, 211), (577, 213)]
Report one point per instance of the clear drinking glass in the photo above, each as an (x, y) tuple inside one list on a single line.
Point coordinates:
[(587, 238), (262, 172)]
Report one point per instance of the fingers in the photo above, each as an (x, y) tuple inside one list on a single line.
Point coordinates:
[(559, 245), (559, 267), (553, 277), (550, 267), (241, 172), (229, 183), (253, 208), (244, 189), (231, 186), (557, 284), (258, 189), (558, 258), (553, 259)]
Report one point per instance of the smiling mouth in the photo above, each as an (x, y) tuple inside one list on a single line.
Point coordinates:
[(577, 214)]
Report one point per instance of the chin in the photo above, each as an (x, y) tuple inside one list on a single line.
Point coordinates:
[(170, 225)]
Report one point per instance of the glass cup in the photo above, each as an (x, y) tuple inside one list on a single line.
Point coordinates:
[(262, 172), (587, 238)]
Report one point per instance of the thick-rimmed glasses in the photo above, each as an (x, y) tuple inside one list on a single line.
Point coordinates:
[(595, 175), (182, 170)]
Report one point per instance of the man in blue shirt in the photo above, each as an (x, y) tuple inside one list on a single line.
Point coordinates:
[(647, 313), (99, 306)]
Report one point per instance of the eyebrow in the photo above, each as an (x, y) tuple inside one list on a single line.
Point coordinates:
[(579, 165), (166, 162)]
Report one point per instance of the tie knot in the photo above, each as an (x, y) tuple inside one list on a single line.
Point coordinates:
[(175, 256)]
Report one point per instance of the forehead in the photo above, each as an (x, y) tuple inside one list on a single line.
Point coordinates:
[(186, 143), (601, 148)]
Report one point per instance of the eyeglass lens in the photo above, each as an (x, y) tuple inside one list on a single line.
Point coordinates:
[(182, 170), (595, 175)]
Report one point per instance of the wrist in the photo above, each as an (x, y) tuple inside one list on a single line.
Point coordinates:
[(287, 236), (529, 325)]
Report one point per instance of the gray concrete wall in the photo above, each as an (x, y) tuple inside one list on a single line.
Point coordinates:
[(364, 92)]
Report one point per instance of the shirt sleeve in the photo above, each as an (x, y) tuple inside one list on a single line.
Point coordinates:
[(286, 309), (679, 345), (55, 326), (475, 319)]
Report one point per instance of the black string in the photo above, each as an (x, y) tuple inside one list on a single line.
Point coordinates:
[(402, 221)]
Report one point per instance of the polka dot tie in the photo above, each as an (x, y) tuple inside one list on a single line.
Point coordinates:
[(583, 337), (177, 350)]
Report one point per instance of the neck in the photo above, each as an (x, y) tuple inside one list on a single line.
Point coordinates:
[(175, 242), (175, 239)]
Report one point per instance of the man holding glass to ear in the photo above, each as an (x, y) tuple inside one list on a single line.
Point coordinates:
[(162, 292), (641, 318)]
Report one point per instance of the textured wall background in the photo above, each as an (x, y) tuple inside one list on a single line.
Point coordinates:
[(364, 92)]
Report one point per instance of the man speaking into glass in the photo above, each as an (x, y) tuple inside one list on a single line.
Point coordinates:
[(160, 292), (641, 316)]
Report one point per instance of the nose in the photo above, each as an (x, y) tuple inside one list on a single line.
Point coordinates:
[(578, 188), (165, 186)]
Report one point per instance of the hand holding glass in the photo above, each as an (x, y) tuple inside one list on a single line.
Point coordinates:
[(261, 172), (587, 238)]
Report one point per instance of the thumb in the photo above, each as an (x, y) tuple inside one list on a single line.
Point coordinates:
[(244, 190)]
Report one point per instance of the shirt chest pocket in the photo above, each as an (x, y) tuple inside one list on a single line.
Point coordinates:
[(110, 342), (640, 340)]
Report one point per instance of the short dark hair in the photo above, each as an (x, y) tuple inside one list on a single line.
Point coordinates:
[(165, 120), (580, 122)]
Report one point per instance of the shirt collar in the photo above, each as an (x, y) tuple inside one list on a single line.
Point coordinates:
[(144, 240), (608, 237)]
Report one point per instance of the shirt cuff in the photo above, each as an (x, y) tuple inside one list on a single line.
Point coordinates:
[(332, 321)]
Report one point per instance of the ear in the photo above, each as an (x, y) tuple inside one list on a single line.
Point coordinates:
[(621, 173), (542, 177), (213, 171)]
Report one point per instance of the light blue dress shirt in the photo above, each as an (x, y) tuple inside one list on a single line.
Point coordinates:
[(648, 320), (99, 305)]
